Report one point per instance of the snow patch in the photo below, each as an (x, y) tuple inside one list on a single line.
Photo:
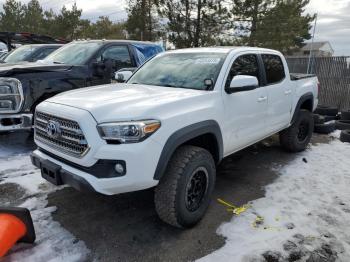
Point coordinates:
[(306, 209), (53, 243)]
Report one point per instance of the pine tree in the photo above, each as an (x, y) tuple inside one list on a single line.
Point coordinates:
[(68, 22), (33, 17), (193, 23), (142, 23), (12, 16), (247, 15), (284, 27), (276, 24)]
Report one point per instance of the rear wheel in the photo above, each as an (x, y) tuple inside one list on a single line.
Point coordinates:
[(298, 135), (184, 192)]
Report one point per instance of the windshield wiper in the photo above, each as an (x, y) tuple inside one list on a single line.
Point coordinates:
[(57, 62)]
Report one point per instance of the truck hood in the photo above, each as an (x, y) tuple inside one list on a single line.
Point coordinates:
[(9, 69), (117, 102)]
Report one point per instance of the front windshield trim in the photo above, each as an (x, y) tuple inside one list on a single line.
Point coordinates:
[(222, 55)]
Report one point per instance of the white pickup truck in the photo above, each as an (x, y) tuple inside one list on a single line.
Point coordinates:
[(171, 123)]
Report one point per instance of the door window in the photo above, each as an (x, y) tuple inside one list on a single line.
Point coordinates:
[(119, 54), (244, 65), (274, 68)]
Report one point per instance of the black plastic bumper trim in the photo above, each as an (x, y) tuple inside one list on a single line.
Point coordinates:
[(102, 169), (66, 177)]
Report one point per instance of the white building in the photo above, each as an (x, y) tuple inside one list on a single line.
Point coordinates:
[(318, 49)]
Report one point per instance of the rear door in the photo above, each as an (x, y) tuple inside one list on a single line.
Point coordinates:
[(245, 111), (279, 90)]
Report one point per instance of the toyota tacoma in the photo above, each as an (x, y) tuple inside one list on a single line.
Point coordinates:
[(171, 124)]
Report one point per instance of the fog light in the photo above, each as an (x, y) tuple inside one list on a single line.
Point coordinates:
[(119, 168)]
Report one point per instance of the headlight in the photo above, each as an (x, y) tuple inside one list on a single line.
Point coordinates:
[(128, 132), (11, 96)]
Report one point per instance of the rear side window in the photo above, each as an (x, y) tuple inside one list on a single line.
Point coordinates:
[(274, 69), (244, 65)]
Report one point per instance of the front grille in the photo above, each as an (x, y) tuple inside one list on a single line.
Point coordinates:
[(70, 139)]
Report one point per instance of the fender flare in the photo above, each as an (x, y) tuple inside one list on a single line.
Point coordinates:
[(302, 99), (185, 134)]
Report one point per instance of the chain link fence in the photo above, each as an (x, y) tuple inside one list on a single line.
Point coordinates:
[(333, 74)]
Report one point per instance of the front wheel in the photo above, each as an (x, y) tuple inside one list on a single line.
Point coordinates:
[(298, 135), (184, 192)]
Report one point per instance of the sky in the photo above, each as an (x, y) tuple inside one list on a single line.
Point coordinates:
[(333, 22)]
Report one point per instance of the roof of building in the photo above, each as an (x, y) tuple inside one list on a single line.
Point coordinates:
[(315, 45)]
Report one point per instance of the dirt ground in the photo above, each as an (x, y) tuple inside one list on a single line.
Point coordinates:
[(126, 228)]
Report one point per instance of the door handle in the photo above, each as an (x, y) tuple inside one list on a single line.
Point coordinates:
[(287, 92), (262, 99)]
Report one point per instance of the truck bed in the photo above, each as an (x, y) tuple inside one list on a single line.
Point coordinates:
[(298, 76)]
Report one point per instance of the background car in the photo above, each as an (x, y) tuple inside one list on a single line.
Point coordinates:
[(29, 53)]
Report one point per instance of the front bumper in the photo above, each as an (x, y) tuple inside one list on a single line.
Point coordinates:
[(137, 176), (66, 177), (16, 122)]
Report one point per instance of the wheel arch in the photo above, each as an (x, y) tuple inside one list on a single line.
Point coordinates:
[(205, 134), (306, 102)]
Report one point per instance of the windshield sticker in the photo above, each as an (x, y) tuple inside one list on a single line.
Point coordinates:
[(207, 61)]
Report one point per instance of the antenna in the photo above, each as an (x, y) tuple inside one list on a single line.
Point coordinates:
[(312, 45)]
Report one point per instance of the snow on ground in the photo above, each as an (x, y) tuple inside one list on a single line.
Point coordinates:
[(305, 214), (53, 243)]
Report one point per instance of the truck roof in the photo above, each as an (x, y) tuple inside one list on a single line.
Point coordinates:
[(223, 49)]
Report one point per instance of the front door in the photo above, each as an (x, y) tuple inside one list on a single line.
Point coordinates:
[(118, 56), (246, 110)]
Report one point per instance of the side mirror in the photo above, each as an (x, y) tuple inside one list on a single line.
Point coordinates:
[(242, 83), (98, 68), (122, 76)]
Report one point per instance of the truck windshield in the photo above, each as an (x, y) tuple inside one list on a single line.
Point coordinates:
[(74, 53), (20, 54), (185, 70)]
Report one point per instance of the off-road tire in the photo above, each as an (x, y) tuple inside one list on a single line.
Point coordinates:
[(171, 192), (325, 128), (289, 138), (345, 136), (326, 111), (342, 124), (330, 118), (345, 115), (318, 119)]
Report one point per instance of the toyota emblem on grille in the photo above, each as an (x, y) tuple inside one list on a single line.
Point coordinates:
[(53, 129)]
